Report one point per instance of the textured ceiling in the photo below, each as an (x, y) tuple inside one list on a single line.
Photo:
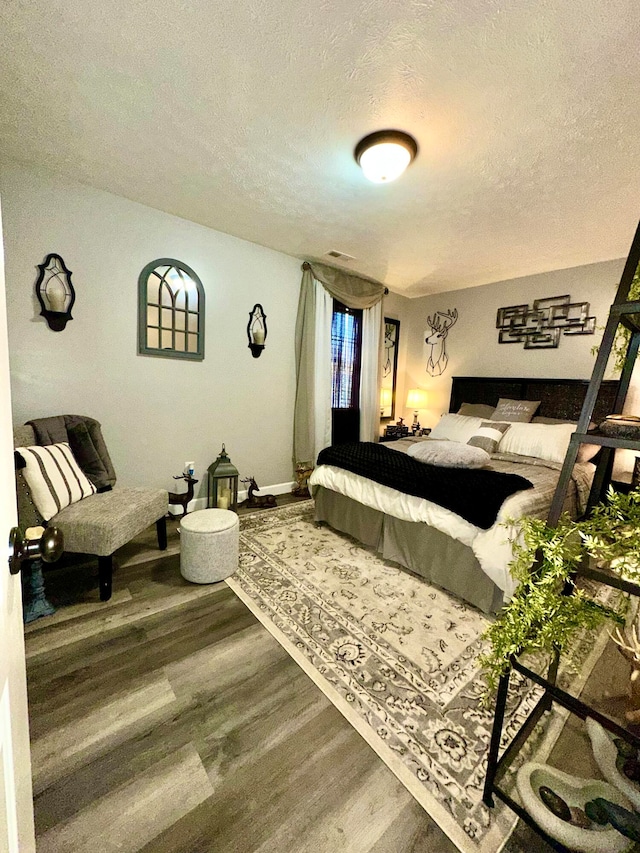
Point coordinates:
[(243, 116)]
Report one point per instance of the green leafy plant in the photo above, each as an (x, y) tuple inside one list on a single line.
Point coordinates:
[(539, 618), (623, 335)]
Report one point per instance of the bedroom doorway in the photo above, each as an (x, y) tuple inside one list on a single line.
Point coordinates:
[(16, 811), (346, 368)]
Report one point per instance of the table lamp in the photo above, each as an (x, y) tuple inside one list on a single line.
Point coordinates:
[(386, 400), (416, 399)]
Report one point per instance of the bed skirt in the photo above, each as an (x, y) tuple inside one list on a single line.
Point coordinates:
[(433, 555)]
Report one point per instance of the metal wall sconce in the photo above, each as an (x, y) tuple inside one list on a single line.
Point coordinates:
[(55, 292), (257, 330)]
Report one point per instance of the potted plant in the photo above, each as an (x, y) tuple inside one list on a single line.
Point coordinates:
[(540, 618)]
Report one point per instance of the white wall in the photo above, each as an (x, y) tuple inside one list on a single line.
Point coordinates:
[(156, 413), (472, 343)]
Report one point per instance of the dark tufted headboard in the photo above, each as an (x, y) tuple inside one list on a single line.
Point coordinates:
[(559, 398)]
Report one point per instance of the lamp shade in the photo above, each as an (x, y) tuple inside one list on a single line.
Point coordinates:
[(417, 399), (385, 397), (383, 156)]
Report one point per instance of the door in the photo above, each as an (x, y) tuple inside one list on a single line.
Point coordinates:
[(346, 359), (16, 807)]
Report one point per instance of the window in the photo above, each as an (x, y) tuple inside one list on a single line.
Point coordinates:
[(171, 311), (346, 346)]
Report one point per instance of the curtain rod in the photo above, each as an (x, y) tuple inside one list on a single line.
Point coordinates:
[(307, 266)]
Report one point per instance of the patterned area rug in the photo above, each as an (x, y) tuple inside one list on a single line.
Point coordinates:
[(395, 655)]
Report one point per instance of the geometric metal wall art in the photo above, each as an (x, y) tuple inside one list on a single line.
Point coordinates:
[(540, 327)]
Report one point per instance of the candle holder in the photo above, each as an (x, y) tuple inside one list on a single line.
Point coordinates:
[(55, 292), (222, 483), (257, 330)]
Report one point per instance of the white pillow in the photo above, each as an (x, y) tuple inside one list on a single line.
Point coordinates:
[(449, 454), (455, 428), (585, 451), (545, 441), (54, 478)]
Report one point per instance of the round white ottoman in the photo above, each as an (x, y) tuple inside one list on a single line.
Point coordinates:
[(209, 545)]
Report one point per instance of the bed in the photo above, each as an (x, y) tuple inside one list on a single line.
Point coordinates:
[(436, 543)]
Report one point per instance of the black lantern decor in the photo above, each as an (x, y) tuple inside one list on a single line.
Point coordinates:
[(222, 486), (257, 330), (55, 292)]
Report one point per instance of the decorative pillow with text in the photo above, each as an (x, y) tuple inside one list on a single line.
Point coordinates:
[(515, 411)]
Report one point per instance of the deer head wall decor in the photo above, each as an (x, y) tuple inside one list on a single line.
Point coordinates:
[(439, 325)]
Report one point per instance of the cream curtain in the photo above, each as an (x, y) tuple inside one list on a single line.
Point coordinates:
[(323, 371), (312, 412), (305, 345), (354, 291)]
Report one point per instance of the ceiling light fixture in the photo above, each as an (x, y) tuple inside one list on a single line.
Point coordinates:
[(384, 155)]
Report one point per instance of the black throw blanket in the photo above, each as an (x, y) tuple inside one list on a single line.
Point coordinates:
[(476, 494)]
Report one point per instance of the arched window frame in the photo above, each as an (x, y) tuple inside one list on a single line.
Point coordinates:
[(147, 304)]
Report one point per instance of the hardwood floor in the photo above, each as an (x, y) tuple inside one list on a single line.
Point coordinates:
[(168, 720)]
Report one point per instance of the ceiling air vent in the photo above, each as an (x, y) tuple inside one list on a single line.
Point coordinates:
[(339, 256)]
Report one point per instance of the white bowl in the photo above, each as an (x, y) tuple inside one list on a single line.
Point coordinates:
[(575, 792), (606, 754)]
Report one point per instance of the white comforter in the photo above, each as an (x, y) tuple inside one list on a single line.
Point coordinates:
[(491, 547)]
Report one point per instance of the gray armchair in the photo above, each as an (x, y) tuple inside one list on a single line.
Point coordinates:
[(103, 522)]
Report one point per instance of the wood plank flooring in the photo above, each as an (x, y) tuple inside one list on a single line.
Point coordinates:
[(168, 720)]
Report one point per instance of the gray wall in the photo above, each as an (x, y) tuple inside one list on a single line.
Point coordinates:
[(472, 343), (156, 413)]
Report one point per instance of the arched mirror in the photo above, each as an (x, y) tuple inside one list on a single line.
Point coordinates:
[(171, 311)]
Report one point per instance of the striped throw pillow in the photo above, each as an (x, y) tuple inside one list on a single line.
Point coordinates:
[(488, 435), (54, 478)]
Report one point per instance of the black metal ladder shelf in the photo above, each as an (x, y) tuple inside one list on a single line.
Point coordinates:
[(626, 313)]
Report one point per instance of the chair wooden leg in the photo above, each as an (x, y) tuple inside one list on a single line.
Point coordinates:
[(161, 527), (105, 572)]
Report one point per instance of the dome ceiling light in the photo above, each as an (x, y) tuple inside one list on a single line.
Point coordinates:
[(384, 155)]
